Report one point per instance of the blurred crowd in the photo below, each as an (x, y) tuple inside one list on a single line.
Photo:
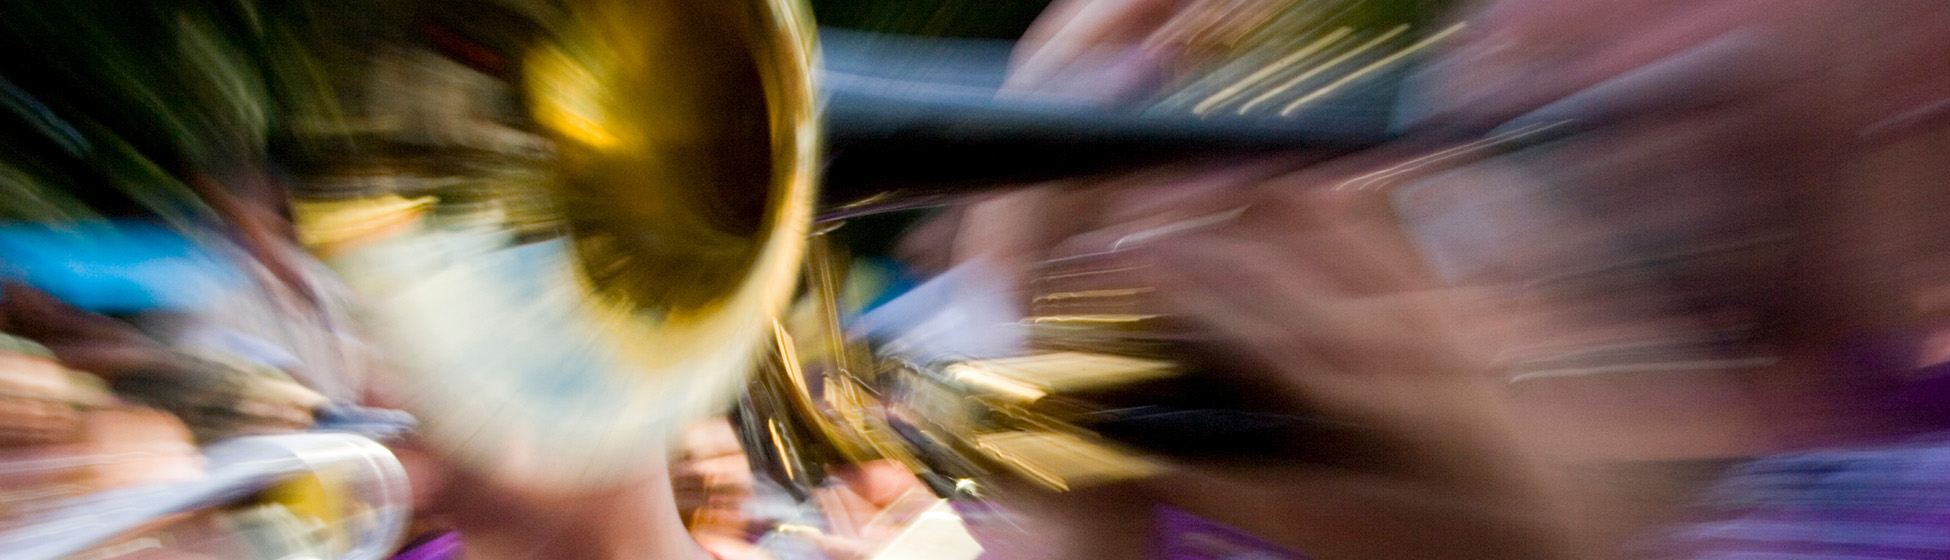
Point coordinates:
[(1640, 279)]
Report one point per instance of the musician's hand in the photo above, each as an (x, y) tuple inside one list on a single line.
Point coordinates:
[(1318, 295), (1093, 49)]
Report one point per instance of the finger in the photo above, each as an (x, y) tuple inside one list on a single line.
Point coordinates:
[(1109, 75), (1268, 355), (1323, 340), (1054, 18), (1149, 207), (1365, 260), (1354, 236), (1345, 305), (1242, 291), (1059, 35), (1011, 232), (1073, 28), (1338, 260)]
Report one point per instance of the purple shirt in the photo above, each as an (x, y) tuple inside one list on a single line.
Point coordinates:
[(1886, 502)]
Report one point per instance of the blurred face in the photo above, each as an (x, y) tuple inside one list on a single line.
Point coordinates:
[(1677, 282)]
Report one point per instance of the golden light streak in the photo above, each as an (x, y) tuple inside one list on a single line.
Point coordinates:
[(1377, 65), (1369, 179), (1304, 52), (1370, 45), (1119, 292)]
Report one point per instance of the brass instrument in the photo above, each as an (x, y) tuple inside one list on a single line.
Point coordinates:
[(1102, 391), (570, 281), (609, 261)]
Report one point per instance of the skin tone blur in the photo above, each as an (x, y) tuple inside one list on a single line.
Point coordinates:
[(1323, 301), (1325, 296)]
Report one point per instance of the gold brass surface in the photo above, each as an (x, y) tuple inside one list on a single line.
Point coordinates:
[(604, 263)]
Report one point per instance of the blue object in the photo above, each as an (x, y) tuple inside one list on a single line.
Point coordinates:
[(114, 267), (375, 423)]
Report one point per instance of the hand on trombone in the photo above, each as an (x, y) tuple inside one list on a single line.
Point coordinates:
[(1316, 299)]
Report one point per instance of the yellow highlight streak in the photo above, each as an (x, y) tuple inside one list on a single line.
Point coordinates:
[(1377, 65), (1121, 292), (1101, 318), (570, 98), (1009, 389), (1370, 45), (1303, 53)]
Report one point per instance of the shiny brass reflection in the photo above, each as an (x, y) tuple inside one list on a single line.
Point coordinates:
[(586, 274), (827, 398)]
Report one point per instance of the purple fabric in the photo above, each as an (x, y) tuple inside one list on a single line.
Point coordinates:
[(443, 547), (1926, 399), (1183, 536), (1887, 502)]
